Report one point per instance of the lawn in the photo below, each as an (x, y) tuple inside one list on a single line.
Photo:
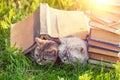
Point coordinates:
[(16, 66)]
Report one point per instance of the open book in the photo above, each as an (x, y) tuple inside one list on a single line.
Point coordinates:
[(47, 20), (60, 23)]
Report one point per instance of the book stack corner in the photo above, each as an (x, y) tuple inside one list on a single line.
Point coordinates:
[(104, 38)]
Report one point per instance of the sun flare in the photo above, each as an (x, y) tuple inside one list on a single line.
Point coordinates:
[(99, 1)]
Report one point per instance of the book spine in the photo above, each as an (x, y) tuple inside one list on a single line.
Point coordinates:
[(117, 51), (103, 57), (116, 45), (102, 52), (104, 46)]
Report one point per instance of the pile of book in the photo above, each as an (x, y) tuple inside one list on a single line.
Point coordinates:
[(104, 39)]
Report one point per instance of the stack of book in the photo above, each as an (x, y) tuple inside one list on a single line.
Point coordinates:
[(104, 39)]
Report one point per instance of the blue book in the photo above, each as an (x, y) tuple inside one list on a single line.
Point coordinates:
[(103, 45), (104, 36)]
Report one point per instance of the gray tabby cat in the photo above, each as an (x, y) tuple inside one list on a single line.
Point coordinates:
[(73, 50), (46, 51)]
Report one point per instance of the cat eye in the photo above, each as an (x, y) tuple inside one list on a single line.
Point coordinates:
[(50, 53), (44, 59), (81, 49), (54, 52), (37, 55)]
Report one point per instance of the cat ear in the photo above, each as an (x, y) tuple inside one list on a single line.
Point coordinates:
[(40, 41), (45, 37), (82, 50), (62, 40), (54, 53)]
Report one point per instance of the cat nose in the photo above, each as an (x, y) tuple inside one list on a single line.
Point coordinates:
[(64, 59)]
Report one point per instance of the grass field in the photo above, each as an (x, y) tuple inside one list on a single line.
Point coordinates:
[(19, 67)]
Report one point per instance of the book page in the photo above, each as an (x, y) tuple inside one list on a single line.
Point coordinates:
[(110, 27), (53, 30), (44, 18), (70, 22), (60, 23), (22, 33)]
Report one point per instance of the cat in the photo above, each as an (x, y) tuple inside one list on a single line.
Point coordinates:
[(73, 50), (46, 51)]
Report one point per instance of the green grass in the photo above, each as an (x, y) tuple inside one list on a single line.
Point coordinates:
[(16, 66)]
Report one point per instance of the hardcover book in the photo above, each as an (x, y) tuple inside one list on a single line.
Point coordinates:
[(102, 51), (105, 36), (102, 57), (103, 45)]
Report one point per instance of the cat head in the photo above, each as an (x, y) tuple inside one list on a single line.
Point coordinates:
[(46, 51), (73, 51)]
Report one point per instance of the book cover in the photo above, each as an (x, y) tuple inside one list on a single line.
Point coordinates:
[(102, 51), (104, 35), (103, 57), (22, 33), (103, 45)]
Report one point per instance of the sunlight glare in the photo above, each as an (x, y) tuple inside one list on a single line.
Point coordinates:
[(99, 1), (102, 1)]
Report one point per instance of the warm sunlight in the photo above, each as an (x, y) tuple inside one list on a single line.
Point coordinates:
[(104, 5), (99, 2)]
